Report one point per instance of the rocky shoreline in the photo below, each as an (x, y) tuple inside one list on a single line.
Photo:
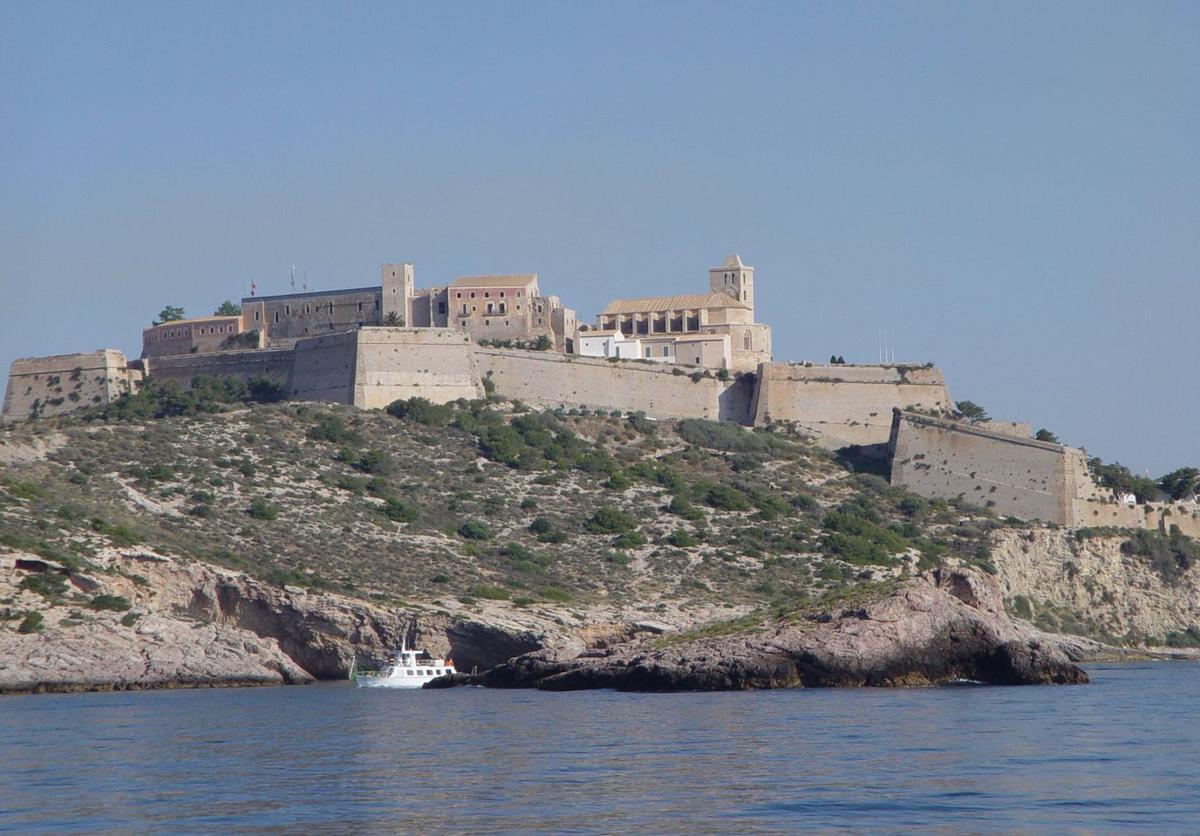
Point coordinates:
[(941, 627), (194, 625)]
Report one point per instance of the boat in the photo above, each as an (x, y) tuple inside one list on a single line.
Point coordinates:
[(409, 669)]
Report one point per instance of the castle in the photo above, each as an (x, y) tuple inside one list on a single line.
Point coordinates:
[(680, 356)]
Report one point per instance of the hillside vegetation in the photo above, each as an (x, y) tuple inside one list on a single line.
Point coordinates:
[(469, 504)]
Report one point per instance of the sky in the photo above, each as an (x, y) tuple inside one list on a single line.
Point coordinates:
[(1012, 190)]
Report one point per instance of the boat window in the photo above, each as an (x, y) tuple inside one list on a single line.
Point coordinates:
[(410, 673)]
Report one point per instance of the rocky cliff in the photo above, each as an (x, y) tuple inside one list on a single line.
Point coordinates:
[(1094, 584), (937, 628), (166, 622)]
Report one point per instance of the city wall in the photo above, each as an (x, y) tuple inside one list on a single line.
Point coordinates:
[(844, 404), (395, 363), (550, 380), (56, 385), (1014, 476), (275, 364)]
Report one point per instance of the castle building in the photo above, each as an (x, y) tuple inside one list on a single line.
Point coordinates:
[(726, 310), (199, 335)]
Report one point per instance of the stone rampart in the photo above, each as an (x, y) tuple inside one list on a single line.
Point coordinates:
[(844, 404), (938, 458), (275, 364), (62, 383), (395, 363), (549, 380)]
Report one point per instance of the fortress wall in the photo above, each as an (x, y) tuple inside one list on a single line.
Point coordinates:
[(63, 383), (394, 363), (846, 404), (1014, 476), (273, 363), (548, 380), (323, 368)]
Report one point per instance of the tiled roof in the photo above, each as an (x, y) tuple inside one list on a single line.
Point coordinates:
[(515, 280), (672, 303)]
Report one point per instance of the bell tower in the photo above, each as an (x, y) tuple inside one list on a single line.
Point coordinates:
[(734, 279)]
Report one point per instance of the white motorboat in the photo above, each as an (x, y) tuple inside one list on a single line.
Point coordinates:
[(409, 669)]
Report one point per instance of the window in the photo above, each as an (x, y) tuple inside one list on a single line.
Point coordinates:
[(287, 310), (472, 294), (666, 352), (487, 322), (746, 341), (464, 309), (502, 294), (647, 351), (487, 295), (360, 307), (441, 307), (410, 673), (307, 310), (490, 307), (256, 316), (503, 307), (276, 317), (518, 307), (518, 293), (458, 295)]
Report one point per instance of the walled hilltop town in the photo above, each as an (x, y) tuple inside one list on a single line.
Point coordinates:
[(694, 355)]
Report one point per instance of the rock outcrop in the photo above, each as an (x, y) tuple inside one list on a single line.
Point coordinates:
[(1089, 584), (939, 627), (191, 624)]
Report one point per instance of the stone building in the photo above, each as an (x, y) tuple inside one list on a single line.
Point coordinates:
[(727, 309), (199, 335), (39, 387)]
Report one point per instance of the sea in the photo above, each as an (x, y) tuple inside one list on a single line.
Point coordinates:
[(1122, 753)]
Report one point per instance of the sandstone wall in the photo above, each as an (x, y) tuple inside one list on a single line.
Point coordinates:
[(1014, 476), (275, 364), (62, 383), (549, 380), (846, 404), (394, 363)]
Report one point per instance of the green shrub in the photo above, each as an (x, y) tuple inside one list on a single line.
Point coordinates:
[(804, 502), (130, 619), (553, 593), (541, 525), (422, 411), (488, 593), (31, 623), (618, 559), (115, 603), (729, 438), (332, 428), (516, 551), (397, 511), (474, 530), (725, 498), (528, 503), (374, 461), (629, 540), (260, 509), (609, 520), (682, 539), (1171, 554), (48, 584)]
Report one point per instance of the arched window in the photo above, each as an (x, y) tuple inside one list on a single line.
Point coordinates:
[(746, 341)]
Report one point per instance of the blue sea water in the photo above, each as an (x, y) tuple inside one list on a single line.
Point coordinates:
[(1121, 753)]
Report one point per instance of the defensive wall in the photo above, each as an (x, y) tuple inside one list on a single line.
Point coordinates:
[(1021, 477), (549, 380), (846, 404), (1014, 476), (273, 363), (395, 363), (63, 383)]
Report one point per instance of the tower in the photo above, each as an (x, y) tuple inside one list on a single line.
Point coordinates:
[(734, 279), (397, 283)]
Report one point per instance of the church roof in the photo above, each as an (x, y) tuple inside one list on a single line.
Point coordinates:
[(513, 280), (692, 301)]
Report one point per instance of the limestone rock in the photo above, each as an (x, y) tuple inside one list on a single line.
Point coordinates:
[(937, 628)]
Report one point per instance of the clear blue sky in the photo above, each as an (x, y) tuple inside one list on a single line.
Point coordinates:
[(1014, 190)]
